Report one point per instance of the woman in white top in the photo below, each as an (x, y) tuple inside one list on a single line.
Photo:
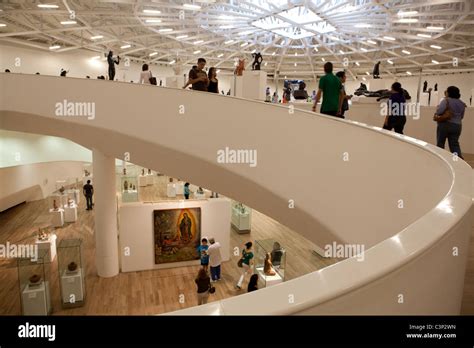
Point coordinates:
[(145, 74)]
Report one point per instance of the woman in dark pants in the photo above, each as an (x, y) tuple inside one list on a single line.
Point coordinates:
[(111, 61), (396, 118), (450, 129)]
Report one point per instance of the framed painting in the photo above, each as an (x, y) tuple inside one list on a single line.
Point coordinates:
[(177, 234)]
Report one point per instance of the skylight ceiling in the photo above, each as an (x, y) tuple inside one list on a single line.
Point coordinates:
[(295, 37)]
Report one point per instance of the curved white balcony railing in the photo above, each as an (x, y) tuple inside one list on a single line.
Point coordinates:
[(406, 201)]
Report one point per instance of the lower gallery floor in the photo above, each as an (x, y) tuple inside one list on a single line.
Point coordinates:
[(156, 291)]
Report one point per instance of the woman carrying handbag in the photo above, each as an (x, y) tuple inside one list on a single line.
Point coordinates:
[(246, 262), (449, 115), (204, 287)]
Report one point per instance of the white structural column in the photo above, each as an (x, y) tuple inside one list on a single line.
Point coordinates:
[(105, 209)]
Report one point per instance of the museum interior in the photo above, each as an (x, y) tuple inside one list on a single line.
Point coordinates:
[(227, 157)]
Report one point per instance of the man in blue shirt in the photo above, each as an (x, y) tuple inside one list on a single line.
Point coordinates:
[(202, 249)]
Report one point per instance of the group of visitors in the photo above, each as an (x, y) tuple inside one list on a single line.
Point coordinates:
[(200, 81), (448, 115), (210, 255)]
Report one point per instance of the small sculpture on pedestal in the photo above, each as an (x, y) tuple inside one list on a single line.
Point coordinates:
[(143, 171), (134, 188), (70, 203), (42, 235), (61, 190), (258, 59), (34, 279), (86, 172), (200, 190), (149, 171), (376, 72), (425, 86), (72, 267), (268, 266), (124, 171), (125, 185), (436, 87), (239, 69), (55, 205)]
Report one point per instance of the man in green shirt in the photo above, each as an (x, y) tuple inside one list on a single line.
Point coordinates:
[(330, 86)]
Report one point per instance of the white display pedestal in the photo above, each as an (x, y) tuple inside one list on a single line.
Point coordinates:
[(72, 284), (142, 180), (75, 195), (424, 99), (267, 279), (60, 199), (434, 98), (254, 84), (179, 186), (70, 213), (238, 85), (199, 195), (58, 217), (241, 222), (36, 299), (149, 179), (377, 84), (48, 244), (130, 196), (171, 190), (176, 81)]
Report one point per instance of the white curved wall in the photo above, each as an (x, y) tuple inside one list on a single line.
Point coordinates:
[(300, 158)]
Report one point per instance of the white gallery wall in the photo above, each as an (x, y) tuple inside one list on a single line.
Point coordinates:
[(136, 233)]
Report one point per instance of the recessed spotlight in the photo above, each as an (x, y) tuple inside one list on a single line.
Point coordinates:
[(434, 28), (47, 6), (424, 35), (181, 37), (165, 30), (192, 7), (125, 47), (198, 42), (357, 63), (407, 13), (196, 52), (153, 20), (3, 25), (153, 54), (323, 59), (68, 22), (436, 47), (341, 51), (54, 47), (220, 55), (408, 73), (406, 52), (254, 50), (363, 49), (408, 20), (367, 73), (389, 38), (97, 37), (172, 62), (296, 64), (229, 42), (434, 61), (389, 61), (152, 11), (371, 42)]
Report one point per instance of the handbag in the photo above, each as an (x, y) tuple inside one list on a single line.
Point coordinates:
[(212, 289), (240, 262), (152, 79), (446, 115)]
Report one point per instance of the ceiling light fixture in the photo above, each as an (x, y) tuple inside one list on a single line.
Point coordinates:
[(389, 38), (152, 11), (265, 64), (407, 13), (389, 61), (125, 47), (153, 20), (273, 53), (436, 47), (68, 22), (408, 73), (181, 37), (434, 61), (244, 44), (424, 35), (153, 54), (363, 49), (47, 6), (434, 28), (220, 55), (341, 51), (364, 79), (172, 62), (357, 63), (165, 30), (406, 52), (408, 20), (198, 42), (296, 64), (254, 50), (367, 73), (316, 49), (323, 59), (3, 25), (97, 37), (196, 52), (296, 54), (371, 42), (192, 7), (54, 47), (229, 42), (362, 25)]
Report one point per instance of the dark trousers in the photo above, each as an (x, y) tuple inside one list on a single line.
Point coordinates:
[(111, 73), (216, 272), (396, 123), (89, 201), (452, 132), (186, 195)]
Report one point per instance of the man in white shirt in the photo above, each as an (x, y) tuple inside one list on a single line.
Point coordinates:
[(215, 259)]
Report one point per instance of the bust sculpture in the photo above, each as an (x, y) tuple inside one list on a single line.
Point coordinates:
[(268, 267), (239, 69), (425, 86), (258, 59), (436, 87)]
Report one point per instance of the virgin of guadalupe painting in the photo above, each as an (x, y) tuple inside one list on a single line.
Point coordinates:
[(177, 234)]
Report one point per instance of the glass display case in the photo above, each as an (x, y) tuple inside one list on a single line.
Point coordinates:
[(129, 188), (270, 262), (34, 278), (241, 217), (71, 273)]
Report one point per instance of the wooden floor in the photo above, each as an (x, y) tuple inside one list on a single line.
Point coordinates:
[(157, 291), (145, 292)]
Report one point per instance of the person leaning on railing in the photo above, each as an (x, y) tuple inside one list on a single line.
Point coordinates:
[(449, 115)]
